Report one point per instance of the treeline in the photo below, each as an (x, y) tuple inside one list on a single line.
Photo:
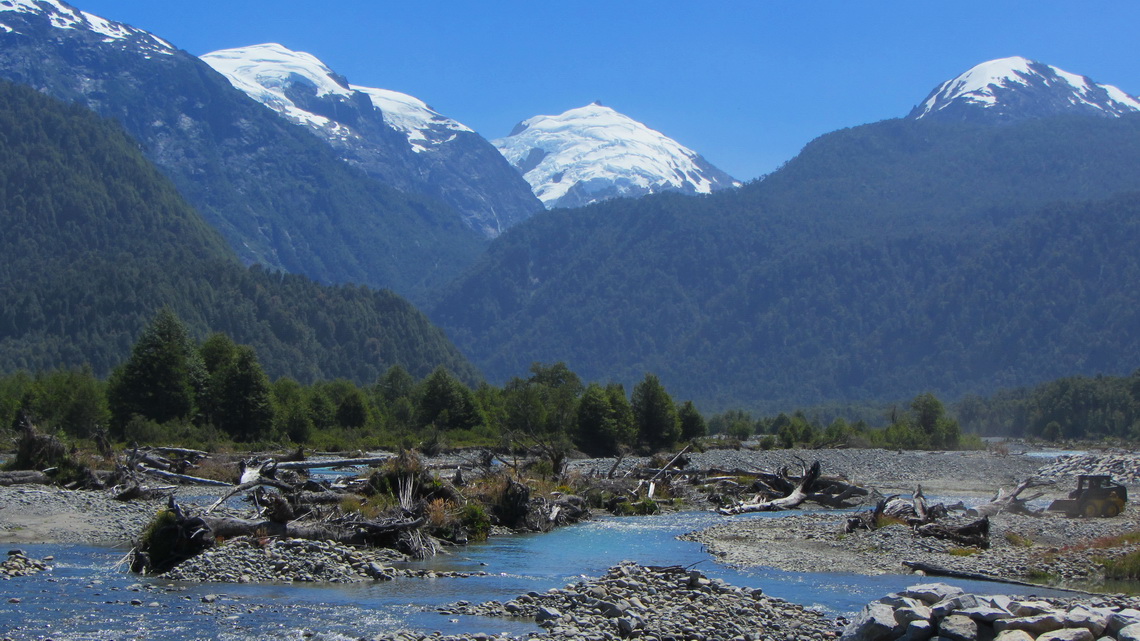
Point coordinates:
[(1076, 407), (925, 424), (173, 390)]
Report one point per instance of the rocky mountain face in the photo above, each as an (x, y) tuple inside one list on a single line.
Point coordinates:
[(279, 196), (594, 153), (393, 137), (1010, 89)]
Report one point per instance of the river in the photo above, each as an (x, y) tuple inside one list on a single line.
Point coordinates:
[(85, 597)]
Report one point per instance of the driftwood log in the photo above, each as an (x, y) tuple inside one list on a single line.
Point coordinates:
[(782, 491), (1012, 502), (18, 477)]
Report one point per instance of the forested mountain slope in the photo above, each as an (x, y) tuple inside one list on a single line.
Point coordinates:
[(280, 196), (884, 260), (96, 240)]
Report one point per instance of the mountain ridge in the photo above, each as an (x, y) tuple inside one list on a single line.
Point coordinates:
[(393, 137)]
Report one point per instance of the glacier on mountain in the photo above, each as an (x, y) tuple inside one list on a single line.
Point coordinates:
[(593, 153), (392, 136)]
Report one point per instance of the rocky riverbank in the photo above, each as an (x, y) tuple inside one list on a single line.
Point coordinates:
[(42, 514), (924, 611), (1046, 548), (655, 603), (258, 560)]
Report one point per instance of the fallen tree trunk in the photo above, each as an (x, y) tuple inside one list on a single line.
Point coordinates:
[(182, 478), (19, 477), (340, 462), (175, 536)]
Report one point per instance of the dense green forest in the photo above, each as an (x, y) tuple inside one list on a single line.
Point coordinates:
[(96, 240), (882, 262), (1074, 407)]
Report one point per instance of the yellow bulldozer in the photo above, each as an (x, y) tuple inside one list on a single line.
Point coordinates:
[(1096, 495)]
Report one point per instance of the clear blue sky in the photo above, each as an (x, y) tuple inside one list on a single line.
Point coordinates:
[(745, 83)]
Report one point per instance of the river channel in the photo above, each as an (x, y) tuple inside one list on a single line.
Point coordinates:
[(86, 597)]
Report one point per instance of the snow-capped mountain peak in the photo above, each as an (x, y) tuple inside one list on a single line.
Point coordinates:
[(1015, 88), (593, 153), (270, 73)]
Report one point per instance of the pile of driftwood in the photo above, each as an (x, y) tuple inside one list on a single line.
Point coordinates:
[(285, 504), (784, 491), (923, 519)]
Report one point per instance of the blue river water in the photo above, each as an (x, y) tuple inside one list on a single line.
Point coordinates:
[(86, 597)]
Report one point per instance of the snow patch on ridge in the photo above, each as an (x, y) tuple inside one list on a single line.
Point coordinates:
[(413, 117), (64, 17)]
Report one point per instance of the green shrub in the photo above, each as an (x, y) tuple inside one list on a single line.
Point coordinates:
[(1124, 567), (475, 519)]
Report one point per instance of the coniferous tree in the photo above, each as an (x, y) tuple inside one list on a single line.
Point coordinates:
[(164, 378), (447, 403), (244, 398), (657, 424), (692, 423)]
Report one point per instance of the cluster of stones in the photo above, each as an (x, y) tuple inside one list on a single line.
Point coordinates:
[(658, 604), (1123, 467), (253, 560), (18, 564), (940, 611)]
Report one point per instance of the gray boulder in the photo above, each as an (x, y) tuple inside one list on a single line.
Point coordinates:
[(958, 627), (1013, 635), (1068, 634), (1091, 620), (1035, 625), (1128, 633), (931, 593), (876, 622)]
